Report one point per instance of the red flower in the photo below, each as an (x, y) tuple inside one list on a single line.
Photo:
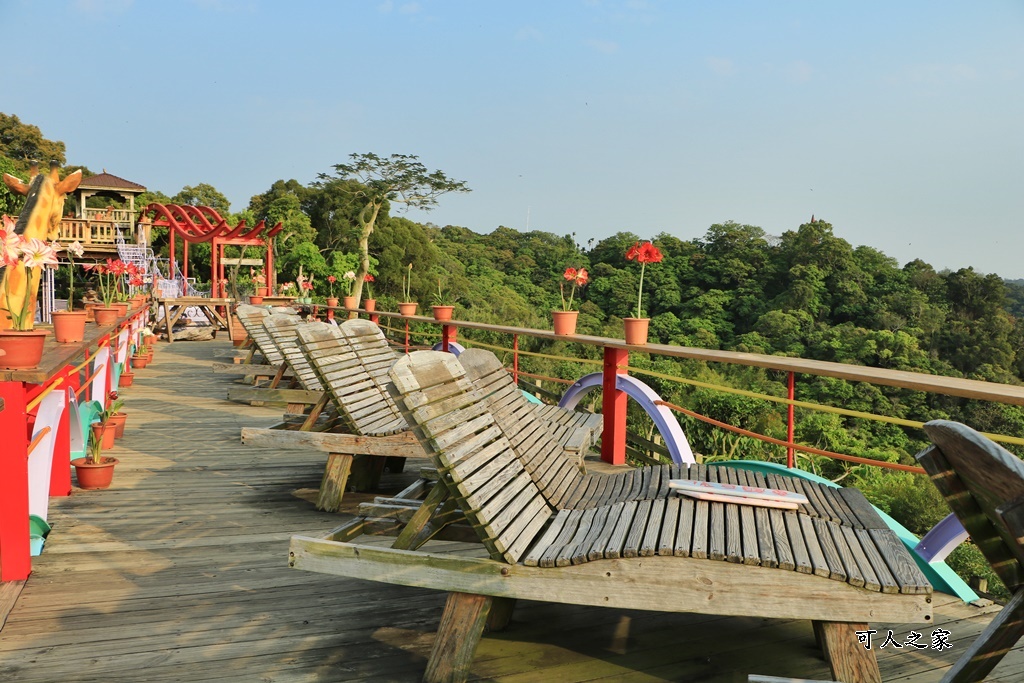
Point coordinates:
[(368, 278), (570, 273), (578, 278), (332, 279), (633, 252), (649, 253), (581, 277), (307, 285)]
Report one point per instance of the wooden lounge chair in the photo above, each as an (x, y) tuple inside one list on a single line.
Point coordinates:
[(983, 484), (252, 318), (278, 336), (833, 562)]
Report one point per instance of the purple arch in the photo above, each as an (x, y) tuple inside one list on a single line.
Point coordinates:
[(664, 420), (453, 348)]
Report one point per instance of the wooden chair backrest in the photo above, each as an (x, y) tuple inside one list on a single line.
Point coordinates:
[(252, 318), (284, 331), (352, 364), (530, 435), (474, 459), (983, 483)]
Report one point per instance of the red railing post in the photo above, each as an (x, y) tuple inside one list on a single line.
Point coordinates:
[(407, 336), (60, 470), (446, 337), (791, 393), (515, 359), (613, 407), (15, 552), (375, 319)]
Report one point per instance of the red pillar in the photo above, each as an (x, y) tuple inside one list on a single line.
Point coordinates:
[(791, 393), (515, 359), (15, 553), (448, 335), (613, 407)]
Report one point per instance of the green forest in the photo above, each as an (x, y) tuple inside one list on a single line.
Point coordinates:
[(806, 293)]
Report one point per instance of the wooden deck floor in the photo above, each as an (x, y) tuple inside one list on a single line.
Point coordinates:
[(179, 573)]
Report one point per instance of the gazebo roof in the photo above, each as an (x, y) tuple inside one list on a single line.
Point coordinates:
[(109, 181)]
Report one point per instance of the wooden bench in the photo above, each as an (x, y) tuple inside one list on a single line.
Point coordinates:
[(834, 562), (983, 484)]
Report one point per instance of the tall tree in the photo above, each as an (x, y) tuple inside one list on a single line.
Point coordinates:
[(398, 179), (203, 194), (23, 142)]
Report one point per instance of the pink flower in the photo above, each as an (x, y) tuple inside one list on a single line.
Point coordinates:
[(36, 253)]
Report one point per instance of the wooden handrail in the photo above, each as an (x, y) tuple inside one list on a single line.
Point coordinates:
[(950, 386)]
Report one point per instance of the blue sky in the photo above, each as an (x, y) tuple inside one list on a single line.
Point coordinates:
[(901, 123)]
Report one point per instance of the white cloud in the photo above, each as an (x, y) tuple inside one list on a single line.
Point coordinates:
[(721, 66), (604, 46), (529, 34)]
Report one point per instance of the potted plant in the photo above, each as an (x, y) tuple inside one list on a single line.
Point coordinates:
[(107, 279), (407, 306), (565, 319), (307, 292), (332, 300), (349, 301), (69, 324), (261, 283), (141, 358), (148, 338), (114, 416), (369, 303), (22, 345), (636, 328), (96, 471), (443, 303)]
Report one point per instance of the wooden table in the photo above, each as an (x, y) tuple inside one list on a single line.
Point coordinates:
[(174, 308)]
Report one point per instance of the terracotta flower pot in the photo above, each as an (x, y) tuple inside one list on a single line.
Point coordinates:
[(369, 305), (636, 330), (443, 312), (348, 302), (255, 300), (69, 326), (263, 291), (565, 321), (105, 315), (140, 362), (118, 420), (89, 317), (332, 301), (149, 340), (407, 308), (104, 432), (94, 476), (23, 349), (122, 308), (126, 379)]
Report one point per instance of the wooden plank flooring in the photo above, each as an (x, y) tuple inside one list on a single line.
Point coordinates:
[(179, 573)]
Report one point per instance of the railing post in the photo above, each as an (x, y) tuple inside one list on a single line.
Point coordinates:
[(407, 336), (15, 551), (60, 469), (448, 335), (613, 407), (791, 393), (515, 359), (375, 319)]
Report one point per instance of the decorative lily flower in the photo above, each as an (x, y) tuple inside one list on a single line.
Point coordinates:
[(578, 278), (643, 254)]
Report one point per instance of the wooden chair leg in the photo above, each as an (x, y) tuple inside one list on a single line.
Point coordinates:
[(847, 657), (501, 614), (462, 625), (366, 471), (332, 486), (994, 642)]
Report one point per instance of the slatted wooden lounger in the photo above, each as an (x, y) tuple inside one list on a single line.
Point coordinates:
[(281, 332), (983, 484), (352, 361), (834, 562), (252, 318)]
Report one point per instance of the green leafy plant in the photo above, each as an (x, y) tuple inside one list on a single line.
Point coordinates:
[(113, 406), (442, 297)]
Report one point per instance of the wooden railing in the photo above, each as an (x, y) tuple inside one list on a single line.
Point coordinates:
[(615, 360), (94, 235)]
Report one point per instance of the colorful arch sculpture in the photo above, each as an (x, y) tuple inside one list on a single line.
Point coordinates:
[(665, 422)]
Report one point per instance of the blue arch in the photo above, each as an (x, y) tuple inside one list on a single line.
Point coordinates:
[(664, 420), (453, 348)]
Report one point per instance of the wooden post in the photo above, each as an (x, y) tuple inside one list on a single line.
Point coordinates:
[(448, 334), (15, 553), (462, 624), (791, 393), (515, 359), (332, 486), (613, 406), (846, 656)]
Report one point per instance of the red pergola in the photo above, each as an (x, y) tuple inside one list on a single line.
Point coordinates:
[(196, 224)]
